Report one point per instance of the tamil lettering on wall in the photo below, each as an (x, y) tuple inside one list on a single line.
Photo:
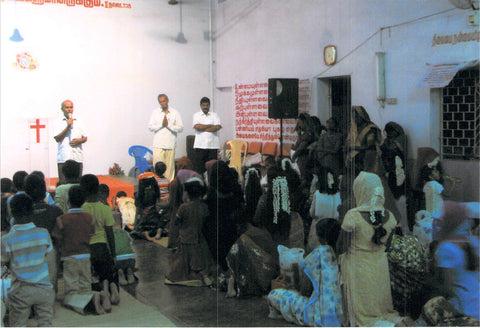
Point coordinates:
[(80, 3), (251, 113), (459, 37)]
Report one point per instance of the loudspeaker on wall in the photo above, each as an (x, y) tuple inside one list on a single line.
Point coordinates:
[(282, 98)]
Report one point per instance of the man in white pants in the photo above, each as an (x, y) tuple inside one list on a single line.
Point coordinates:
[(165, 122)]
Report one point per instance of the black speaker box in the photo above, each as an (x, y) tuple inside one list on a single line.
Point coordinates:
[(282, 98)]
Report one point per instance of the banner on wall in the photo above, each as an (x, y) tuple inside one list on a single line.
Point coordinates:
[(81, 3), (251, 113), (25, 62)]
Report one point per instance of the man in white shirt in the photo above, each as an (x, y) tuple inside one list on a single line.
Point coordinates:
[(69, 135), (165, 122), (207, 142)]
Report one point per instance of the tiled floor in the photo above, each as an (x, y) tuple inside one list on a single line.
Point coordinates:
[(191, 306)]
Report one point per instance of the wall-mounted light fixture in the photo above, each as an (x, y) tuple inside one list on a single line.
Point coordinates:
[(16, 37), (380, 74)]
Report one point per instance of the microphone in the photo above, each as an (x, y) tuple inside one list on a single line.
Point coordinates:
[(69, 117)]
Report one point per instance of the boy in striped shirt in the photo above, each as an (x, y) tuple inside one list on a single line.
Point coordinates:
[(24, 249)]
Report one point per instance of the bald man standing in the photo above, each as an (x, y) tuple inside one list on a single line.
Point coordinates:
[(69, 135)]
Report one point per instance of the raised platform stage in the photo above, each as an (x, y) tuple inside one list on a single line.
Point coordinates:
[(115, 183)]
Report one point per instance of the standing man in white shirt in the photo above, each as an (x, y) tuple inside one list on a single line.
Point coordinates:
[(69, 135), (207, 142), (165, 122)]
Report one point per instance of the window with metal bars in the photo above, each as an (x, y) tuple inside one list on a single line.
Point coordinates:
[(461, 116)]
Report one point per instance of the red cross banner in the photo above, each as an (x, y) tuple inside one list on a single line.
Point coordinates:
[(37, 126)]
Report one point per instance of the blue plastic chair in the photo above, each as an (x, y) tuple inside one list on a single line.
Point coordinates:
[(139, 153)]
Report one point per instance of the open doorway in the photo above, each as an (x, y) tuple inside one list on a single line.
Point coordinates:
[(334, 100)]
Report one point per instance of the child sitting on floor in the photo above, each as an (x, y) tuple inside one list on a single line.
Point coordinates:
[(163, 184), (191, 263), (73, 230), (125, 257), (102, 243), (125, 208), (103, 193), (31, 285)]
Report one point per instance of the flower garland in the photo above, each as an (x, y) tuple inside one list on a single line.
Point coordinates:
[(115, 170), (281, 198), (377, 196)]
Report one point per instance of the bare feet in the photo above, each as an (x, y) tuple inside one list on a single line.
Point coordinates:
[(207, 281), (231, 288), (114, 294), (130, 276), (97, 303), (105, 301), (122, 280)]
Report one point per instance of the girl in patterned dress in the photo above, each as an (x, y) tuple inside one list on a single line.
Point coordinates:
[(324, 306)]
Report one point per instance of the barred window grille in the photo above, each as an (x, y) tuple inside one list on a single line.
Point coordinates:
[(461, 116)]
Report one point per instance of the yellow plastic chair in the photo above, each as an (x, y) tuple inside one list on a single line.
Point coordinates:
[(239, 150)]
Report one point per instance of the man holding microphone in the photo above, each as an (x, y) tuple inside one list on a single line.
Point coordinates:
[(69, 135)]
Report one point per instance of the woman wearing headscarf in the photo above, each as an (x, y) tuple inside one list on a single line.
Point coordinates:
[(305, 137), (364, 137), (457, 265), (364, 266), (394, 159), (226, 205), (326, 151), (253, 259)]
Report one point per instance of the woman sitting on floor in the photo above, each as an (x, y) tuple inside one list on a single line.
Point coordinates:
[(226, 205), (148, 224), (275, 211), (253, 256)]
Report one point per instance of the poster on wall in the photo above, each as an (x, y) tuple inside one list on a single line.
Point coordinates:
[(25, 62), (251, 113)]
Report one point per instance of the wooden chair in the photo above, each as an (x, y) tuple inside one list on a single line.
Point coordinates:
[(239, 150)]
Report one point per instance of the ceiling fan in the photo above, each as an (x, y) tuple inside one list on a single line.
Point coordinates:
[(465, 4)]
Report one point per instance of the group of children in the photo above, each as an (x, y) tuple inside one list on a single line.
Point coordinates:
[(38, 239)]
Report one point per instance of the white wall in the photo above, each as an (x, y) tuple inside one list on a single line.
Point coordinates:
[(112, 63), (259, 39)]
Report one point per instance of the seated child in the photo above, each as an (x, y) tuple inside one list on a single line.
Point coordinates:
[(73, 230), (7, 191), (103, 193), (124, 207), (323, 307), (31, 285), (190, 265), (102, 243), (325, 202), (125, 257), (163, 184)]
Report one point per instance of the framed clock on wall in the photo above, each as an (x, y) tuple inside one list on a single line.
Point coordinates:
[(330, 55)]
